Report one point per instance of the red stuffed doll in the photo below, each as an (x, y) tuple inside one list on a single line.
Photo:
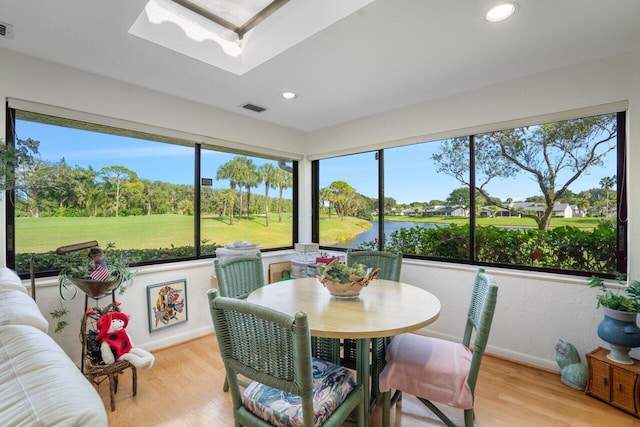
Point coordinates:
[(115, 343)]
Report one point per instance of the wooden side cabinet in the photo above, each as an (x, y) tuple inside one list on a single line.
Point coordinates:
[(615, 383)]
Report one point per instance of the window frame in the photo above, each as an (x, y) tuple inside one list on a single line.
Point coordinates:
[(621, 187), (162, 138)]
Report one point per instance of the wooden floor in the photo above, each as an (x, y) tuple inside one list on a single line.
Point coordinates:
[(184, 388)]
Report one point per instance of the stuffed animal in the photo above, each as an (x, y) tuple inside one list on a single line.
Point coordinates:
[(115, 343), (573, 373)]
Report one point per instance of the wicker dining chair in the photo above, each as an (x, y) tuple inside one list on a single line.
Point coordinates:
[(237, 277), (436, 370), (290, 388), (93, 368), (390, 264)]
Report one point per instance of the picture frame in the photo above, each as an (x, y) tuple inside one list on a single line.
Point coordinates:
[(167, 304)]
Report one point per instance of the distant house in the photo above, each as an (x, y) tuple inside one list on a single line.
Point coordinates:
[(447, 211), (419, 211), (560, 210)]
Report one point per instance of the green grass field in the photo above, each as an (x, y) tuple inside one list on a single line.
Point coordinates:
[(164, 231), (143, 232)]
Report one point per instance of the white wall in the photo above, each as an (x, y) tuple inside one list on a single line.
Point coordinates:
[(534, 310)]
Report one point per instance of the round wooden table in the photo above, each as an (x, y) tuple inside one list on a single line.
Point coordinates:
[(384, 308)]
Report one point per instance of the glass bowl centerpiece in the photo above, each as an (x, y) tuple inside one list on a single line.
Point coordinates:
[(344, 281)]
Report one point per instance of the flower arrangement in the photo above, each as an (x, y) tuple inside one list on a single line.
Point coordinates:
[(346, 281)]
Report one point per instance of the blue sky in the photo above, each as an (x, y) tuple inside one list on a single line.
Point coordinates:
[(409, 172), (149, 159), (410, 176)]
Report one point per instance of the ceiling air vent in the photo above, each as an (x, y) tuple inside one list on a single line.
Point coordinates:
[(6, 30), (253, 107)]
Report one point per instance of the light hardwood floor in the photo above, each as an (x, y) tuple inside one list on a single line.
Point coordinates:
[(184, 388)]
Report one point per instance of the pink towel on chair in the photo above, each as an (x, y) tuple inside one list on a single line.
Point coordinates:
[(430, 368)]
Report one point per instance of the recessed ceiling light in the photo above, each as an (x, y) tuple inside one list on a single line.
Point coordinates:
[(501, 12), (288, 95)]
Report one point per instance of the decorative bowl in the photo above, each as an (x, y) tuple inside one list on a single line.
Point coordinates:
[(95, 288), (350, 289)]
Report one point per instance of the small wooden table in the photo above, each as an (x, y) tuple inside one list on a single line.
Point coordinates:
[(615, 383), (384, 308)]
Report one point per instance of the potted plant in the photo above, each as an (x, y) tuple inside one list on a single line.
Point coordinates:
[(619, 328), (89, 270)]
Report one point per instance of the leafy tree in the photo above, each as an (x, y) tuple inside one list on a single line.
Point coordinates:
[(340, 191), (23, 155), (459, 197), (389, 203), (117, 177), (542, 152)]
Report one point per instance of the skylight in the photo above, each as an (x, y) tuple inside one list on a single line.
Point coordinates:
[(243, 34), (239, 17)]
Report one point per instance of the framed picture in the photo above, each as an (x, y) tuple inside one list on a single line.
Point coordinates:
[(167, 304)]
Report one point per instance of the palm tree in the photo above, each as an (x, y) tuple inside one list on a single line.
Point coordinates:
[(268, 175), (253, 180), (246, 169), (235, 171), (607, 183), (284, 180)]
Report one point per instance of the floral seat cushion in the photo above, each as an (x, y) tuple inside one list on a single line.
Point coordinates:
[(331, 386)]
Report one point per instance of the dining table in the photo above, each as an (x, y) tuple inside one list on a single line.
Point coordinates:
[(384, 308)]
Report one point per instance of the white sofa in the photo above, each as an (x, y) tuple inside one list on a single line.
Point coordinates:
[(39, 384)]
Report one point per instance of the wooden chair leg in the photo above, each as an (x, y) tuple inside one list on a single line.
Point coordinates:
[(134, 375), (112, 391)]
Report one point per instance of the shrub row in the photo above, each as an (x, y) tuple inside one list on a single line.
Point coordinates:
[(566, 248)]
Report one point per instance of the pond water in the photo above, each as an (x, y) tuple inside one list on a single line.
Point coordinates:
[(389, 227)]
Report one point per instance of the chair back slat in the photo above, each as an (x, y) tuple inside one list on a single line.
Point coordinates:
[(239, 276), (479, 319), (262, 344), (389, 263)]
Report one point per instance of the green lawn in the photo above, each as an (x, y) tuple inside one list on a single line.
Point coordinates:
[(143, 232), (164, 231), (332, 230)]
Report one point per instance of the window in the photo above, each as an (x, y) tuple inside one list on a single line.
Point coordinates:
[(547, 196), (254, 194), (136, 191), (347, 205)]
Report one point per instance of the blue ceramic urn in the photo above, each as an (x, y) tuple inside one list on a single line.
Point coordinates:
[(620, 331)]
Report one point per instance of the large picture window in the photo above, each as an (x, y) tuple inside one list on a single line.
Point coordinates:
[(547, 196), (135, 191)]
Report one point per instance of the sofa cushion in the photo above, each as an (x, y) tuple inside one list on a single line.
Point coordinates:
[(331, 386), (9, 280), (41, 386), (17, 308)]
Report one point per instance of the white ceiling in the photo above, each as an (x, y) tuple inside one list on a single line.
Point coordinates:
[(390, 54)]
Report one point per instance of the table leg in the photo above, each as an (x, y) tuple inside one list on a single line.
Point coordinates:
[(363, 367)]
